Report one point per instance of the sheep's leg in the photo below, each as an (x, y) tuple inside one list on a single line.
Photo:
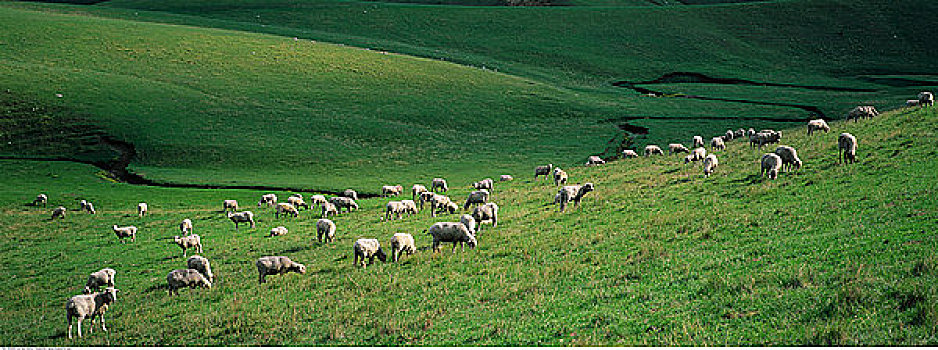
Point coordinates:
[(454, 246), (79, 327), (69, 320), (103, 326)]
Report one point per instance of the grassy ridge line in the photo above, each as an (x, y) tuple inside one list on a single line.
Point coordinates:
[(658, 255)]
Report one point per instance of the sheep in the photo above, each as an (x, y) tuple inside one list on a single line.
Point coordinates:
[(572, 193), (409, 206), (201, 264), (688, 158), (297, 202), (438, 201), (451, 232), (402, 243), (392, 190), (59, 212), (329, 209), (86, 206), (697, 141), (286, 209), (469, 221), (269, 199), (771, 163), (278, 231), (417, 190), (41, 199), (476, 197), (185, 226), (394, 208), (230, 205), (716, 143), (244, 216), (505, 178), (450, 207), (367, 248), (101, 278), (847, 145), (181, 278), (346, 203), (710, 163), (728, 135), (350, 193), (560, 177), (439, 184), (696, 155), (789, 157), (764, 137), (318, 199), (543, 170), (89, 306), (594, 160), (926, 98), (859, 112), (325, 229), (484, 184), (739, 133), (629, 154), (913, 103), (124, 232), (190, 241), (141, 209), (818, 124), (272, 265), (487, 212), (750, 132), (653, 149), (677, 148)]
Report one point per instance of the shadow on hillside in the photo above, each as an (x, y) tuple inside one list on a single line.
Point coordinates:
[(749, 180)]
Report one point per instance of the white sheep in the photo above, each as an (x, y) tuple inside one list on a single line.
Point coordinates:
[(182, 278), (59, 212), (484, 184), (325, 229), (926, 98), (439, 184), (716, 143), (847, 146), (697, 141), (425, 197), (278, 231), (124, 232), (504, 178), (543, 170), (469, 222), (764, 137), (560, 177), (244, 216), (487, 213), (573, 193), (202, 265), (410, 207), (395, 190), (402, 243), (346, 203), (817, 124), (677, 148), (190, 241), (629, 154), (417, 190), (141, 209), (476, 197), (451, 232), (739, 133), (84, 306), (437, 202), (273, 265), (41, 199), (594, 160), (329, 209), (728, 136), (653, 149), (297, 202), (86, 206), (394, 208), (367, 248), (350, 193), (185, 226), (230, 205), (771, 163), (318, 199), (696, 155), (913, 103), (286, 209), (710, 163), (789, 157), (269, 199), (860, 112), (101, 278)]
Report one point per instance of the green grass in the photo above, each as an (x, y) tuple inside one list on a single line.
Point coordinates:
[(657, 255)]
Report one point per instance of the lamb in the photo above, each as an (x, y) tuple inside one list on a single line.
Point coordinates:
[(913, 103), (329, 209), (367, 248), (286, 209), (847, 145), (272, 265), (124, 232), (716, 143), (59, 212), (676, 148), (710, 163), (244, 216), (818, 124), (141, 209), (728, 135), (594, 160), (696, 155), (346, 203), (771, 163), (629, 154), (270, 199), (789, 157), (394, 208), (484, 184), (86, 206), (653, 149), (101, 278), (698, 141), (543, 170), (230, 205), (439, 184), (573, 193), (486, 213), (190, 241), (392, 190), (201, 264), (504, 178), (278, 231), (41, 199), (926, 98), (350, 193), (560, 177), (181, 278), (451, 232), (476, 197), (402, 243), (417, 190), (89, 306), (859, 112), (469, 222), (185, 226), (325, 229), (297, 202)]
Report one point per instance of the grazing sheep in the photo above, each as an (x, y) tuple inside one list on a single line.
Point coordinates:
[(101, 278), (318, 199), (329, 209), (41, 199), (817, 124), (469, 221), (771, 163), (629, 154), (392, 190), (476, 197), (859, 112), (572, 193), (185, 226), (244, 216), (451, 232), (367, 248), (402, 243), (697, 141), (394, 208), (560, 177), (285, 209), (325, 228), (278, 231), (728, 135), (439, 184), (484, 184), (486, 213), (230, 205), (688, 158), (764, 137), (716, 143), (89, 306), (410, 207), (750, 132), (272, 265), (269, 199), (789, 157), (847, 146), (450, 207), (710, 163), (594, 160), (913, 103), (350, 193), (505, 178), (425, 197), (438, 201), (417, 190), (141, 209), (59, 212), (124, 232), (739, 133), (182, 278), (926, 98), (543, 170), (297, 202), (677, 148), (653, 149), (696, 155), (86, 206), (201, 264), (190, 241), (346, 203)]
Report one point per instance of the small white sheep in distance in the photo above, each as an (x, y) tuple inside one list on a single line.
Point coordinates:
[(677, 148), (85, 306), (350, 193), (750, 132), (710, 163), (484, 184), (86, 206), (469, 222), (476, 197), (278, 231), (101, 278), (543, 170), (402, 243), (273, 265), (817, 124), (346, 203), (728, 136), (367, 248), (325, 229), (739, 133), (394, 208), (318, 199), (269, 199), (329, 209), (185, 226), (764, 137), (186, 242), (390, 191), (789, 157), (244, 216), (298, 195), (573, 193), (198, 263), (439, 184), (913, 103), (504, 178), (142, 209), (926, 98), (124, 232), (629, 154), (594, 160), (417, 190), (486, 213), (230, 205), (182, 278), (286, 209), (41, 199), (716, 144), (560, 177), (59, 212), (696, 155), (451, 232), (860, 112), (297, 202), (697, 141), (847, 148), (653, 149), (771, 163), (410, 207)]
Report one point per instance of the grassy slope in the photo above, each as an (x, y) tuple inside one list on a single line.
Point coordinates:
[(829, 254)]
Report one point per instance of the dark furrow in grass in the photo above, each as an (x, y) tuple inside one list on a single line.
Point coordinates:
[(700, 78)]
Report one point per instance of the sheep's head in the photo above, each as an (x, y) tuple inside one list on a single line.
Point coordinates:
[(110, 293), (471, 241), (380, 255), (87, 290), (298, 268)]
